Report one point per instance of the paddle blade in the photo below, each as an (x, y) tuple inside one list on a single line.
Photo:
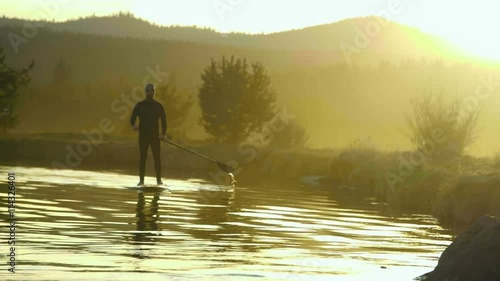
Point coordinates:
[(226, 168)]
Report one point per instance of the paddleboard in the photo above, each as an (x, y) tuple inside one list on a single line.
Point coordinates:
[(149, 187)]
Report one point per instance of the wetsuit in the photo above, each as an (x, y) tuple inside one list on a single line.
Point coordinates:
[(149, 112)]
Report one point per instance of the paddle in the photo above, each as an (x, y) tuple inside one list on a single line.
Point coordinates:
[(226, 168)]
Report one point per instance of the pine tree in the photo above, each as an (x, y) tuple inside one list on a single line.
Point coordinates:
[(10, 81)]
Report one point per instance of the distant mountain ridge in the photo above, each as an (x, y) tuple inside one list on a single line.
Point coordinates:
[(394, 38)]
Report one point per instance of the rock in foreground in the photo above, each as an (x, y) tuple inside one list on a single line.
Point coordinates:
[(473, 256)]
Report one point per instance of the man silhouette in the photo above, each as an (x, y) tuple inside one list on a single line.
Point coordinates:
[(149, 112)]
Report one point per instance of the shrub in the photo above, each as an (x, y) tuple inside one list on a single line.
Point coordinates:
[(446, 125)]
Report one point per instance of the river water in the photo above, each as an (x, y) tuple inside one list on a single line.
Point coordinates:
[(79, 225)]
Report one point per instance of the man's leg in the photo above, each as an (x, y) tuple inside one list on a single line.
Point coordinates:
[(155, 147), (143, 151)]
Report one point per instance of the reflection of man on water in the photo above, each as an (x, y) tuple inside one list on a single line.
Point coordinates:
[(149, 112), (146, 221), (147, 214)]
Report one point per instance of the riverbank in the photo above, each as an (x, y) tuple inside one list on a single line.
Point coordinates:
[(252, 165), (457, 190), (456, 193)]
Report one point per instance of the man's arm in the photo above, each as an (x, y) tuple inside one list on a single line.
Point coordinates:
[(135, 112)]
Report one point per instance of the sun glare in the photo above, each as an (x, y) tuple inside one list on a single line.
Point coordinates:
[(471, 26), (483, 45)]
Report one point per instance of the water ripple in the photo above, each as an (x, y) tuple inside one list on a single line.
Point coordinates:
[(75, 226)]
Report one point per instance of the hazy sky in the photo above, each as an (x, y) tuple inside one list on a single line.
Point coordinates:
[(471, 24)]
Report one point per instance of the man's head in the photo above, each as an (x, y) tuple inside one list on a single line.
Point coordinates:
[(150, 90)]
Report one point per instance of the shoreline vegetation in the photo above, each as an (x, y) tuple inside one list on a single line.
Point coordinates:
[(455, 192)]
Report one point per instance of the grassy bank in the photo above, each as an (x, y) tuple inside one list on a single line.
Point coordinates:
[(121, 154), (456, 192)]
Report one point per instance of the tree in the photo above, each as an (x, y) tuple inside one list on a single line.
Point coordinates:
[(444, 127), (278, 134), (234, 100), (60, 86), (62, 95), (293, 136), (61, 75), (10, 81)]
